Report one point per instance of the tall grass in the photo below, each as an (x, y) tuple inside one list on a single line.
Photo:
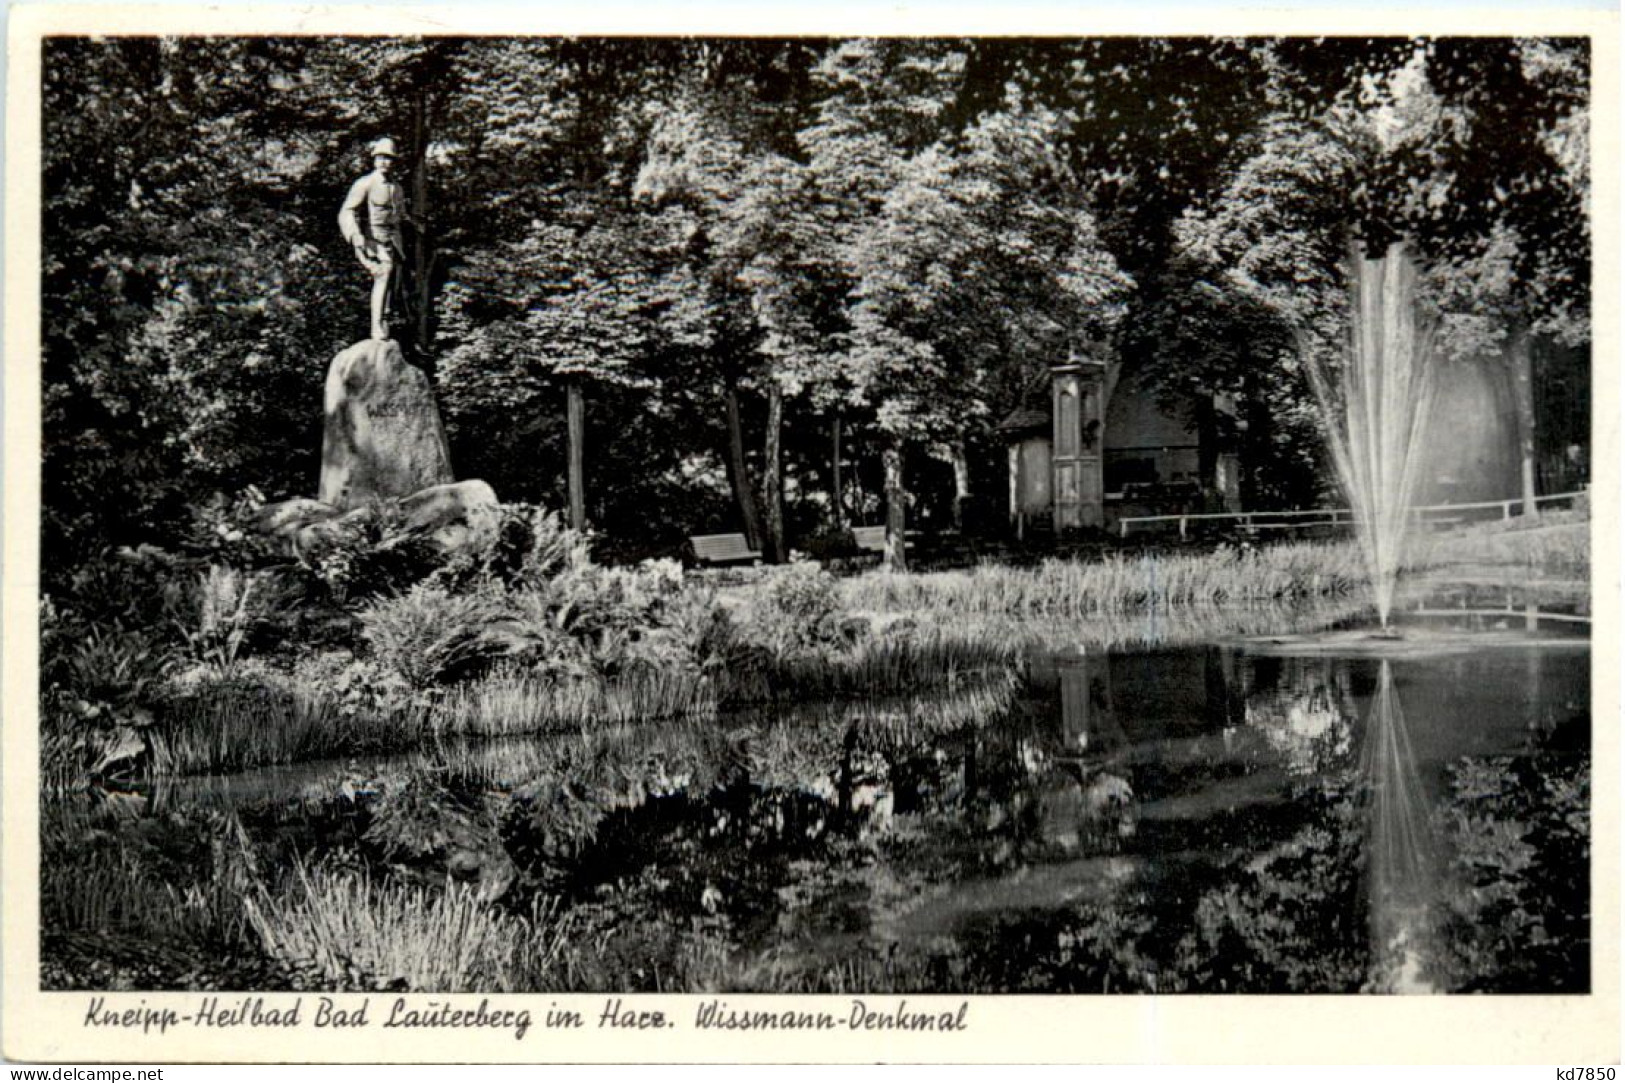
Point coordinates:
[(1024, 633), (1115, 585), (354, 932), (237, 725), (338, 928), (881, 665), (513, 705), (1552, 549), (119, 894)]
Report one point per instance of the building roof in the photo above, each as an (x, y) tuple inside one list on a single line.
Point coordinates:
[(1024, 419)]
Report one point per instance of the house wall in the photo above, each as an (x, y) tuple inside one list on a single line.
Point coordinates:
[(1030, 477), (1145, 443)]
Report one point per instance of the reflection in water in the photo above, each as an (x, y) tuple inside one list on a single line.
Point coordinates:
[(1171, 820), (1088, 725), (1088, 803), (1402, 853), (1304, 708)]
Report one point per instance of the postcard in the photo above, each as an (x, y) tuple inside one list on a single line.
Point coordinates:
[(811, 537)]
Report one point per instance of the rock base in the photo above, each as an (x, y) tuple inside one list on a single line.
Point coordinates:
[(459, 516), (383, 438)]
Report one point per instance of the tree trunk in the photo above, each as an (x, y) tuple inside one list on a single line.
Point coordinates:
[(739, 470), (956, 456), (1520, 365), (773, 475), (422, 255), (1254, 444), (896, 507), (575, 418), (837, 489)]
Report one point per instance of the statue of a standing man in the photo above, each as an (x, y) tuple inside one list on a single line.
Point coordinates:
[(375, 233)]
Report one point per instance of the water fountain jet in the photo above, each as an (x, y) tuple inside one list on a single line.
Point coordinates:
[(1375, 409)]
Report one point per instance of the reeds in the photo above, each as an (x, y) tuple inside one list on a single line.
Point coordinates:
[(1117, 585), (515, 705), (338, 928), (354, 932), (883, 665), (237, 725)]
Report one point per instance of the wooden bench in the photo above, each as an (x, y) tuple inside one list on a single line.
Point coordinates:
[(872, 539), (723, 549)]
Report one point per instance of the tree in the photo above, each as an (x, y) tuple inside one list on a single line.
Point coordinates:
[(971, 256), (1509, 228), (181, 292), (715, 168), (562, 292), (1469, 150)]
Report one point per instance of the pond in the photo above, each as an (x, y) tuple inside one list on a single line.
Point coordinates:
[(1258, 814)]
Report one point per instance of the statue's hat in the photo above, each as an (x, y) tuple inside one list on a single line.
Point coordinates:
[(384, 147)]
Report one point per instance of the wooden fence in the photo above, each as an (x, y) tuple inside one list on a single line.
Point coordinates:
[(1259, 521)]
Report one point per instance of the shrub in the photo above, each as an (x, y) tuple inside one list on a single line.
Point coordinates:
[(590, 619), (551, 550), (695, 633), (231, 605), (377, 556), (143, 589), (117, 673), (530, 547), (797, 608), (354, 686), (430, 636), (225, 530)]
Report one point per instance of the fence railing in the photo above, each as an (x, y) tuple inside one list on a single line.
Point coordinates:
[(1439, 514)]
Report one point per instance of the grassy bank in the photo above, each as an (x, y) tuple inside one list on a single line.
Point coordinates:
[(1552, 546), (569, 646), (272, 718), (1120, 585), (1122, 590)]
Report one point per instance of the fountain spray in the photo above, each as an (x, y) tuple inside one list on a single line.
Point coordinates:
[(1375, 409)]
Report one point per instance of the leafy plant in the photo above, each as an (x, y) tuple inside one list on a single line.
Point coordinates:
[(1519, 915), (231, 605), (797, 609), (113, 676), (430, 636)]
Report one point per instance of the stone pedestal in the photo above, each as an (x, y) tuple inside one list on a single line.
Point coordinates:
[(383, 437)]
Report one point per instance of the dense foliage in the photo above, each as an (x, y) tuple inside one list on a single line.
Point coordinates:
[(726, 247)]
